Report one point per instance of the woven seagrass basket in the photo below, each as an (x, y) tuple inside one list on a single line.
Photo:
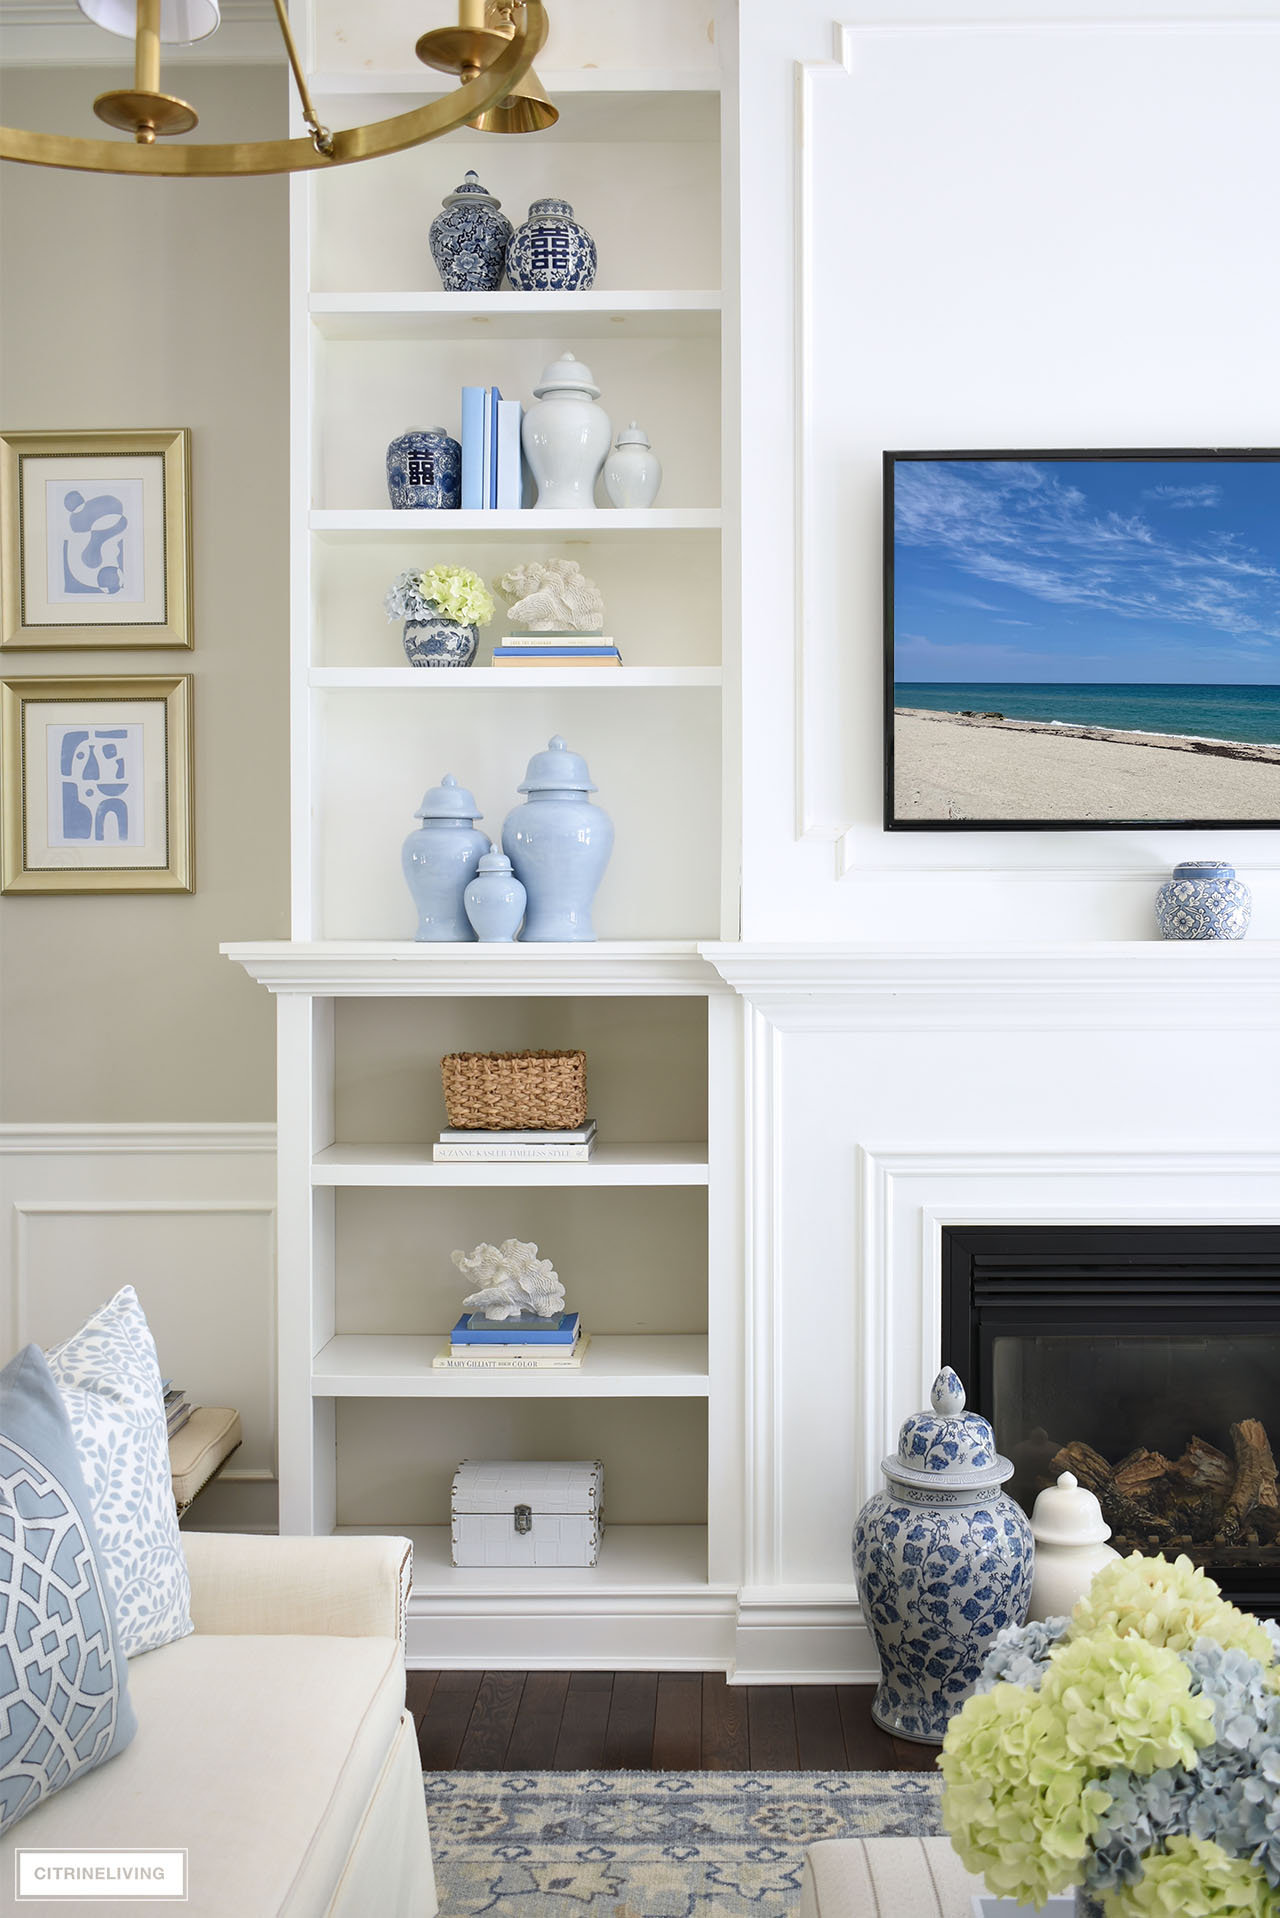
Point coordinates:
[(499, 1091)]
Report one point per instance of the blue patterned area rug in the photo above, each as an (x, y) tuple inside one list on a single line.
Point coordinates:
[(653, 1844)]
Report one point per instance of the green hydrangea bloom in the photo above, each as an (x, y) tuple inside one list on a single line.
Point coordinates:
[(458, 594), (1169, 1605), (1194, 1878)]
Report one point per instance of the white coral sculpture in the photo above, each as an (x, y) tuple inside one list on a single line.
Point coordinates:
[(553, 596), (513, 1281)]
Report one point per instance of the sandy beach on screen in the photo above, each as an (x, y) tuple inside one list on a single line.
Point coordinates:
[(947, 766)]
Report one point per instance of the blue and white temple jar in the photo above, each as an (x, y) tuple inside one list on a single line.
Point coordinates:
[(1204, 900), (469, 239), (559, 845), (441, 858), (424, 468), (943, 1560), (440, 642), (552, 252)]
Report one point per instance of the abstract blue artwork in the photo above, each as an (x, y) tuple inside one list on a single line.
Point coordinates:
[(95, 541), (95, 785)]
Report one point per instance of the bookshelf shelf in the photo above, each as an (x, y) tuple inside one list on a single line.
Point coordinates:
[(619, 1366), (650, 1560), (399, 1165), (642, 314), (492, 679), (547, 528)]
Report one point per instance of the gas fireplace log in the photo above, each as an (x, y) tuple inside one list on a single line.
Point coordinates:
[(1255, 1470), (1142, 1474), (1132, 1518), (1203, 1468)]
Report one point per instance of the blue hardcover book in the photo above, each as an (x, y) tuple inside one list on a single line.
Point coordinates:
[(529, 655), (510, 458), (513, 1331), (473, 416), (491, 441)]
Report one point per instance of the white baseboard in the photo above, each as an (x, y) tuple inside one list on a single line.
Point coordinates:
[(802, 1637)]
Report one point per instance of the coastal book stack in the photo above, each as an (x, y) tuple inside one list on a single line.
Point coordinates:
[(476, 1344), (500, 1147), (493, 472), (177, 1407), (555, 649)]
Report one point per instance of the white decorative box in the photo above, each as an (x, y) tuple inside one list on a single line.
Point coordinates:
[(512, 1512)]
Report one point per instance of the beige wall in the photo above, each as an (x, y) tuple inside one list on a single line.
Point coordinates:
[(161, 303)]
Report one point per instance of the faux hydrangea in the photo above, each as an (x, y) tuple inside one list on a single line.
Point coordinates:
[(1194, 1878), (1020, 1654), (1166, 1604), (442, 592)]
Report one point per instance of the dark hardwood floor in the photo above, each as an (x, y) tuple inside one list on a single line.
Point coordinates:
[(647, 1721)]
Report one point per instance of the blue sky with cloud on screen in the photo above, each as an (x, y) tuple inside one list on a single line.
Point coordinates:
[(1156, 571)]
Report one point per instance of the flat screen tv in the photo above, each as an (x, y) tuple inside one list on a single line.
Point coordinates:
[(1085, 641)]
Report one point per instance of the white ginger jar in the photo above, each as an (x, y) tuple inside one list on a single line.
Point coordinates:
[(1071, 1547), (632, 472), (566, 437)]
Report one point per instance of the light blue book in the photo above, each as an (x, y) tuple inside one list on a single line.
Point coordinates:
[(510, 458), (473, 418), (491, 442)]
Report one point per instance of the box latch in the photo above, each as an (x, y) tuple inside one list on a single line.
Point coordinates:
[(524, 1518)]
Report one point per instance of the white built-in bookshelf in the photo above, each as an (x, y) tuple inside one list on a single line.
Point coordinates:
[(644, 1233)]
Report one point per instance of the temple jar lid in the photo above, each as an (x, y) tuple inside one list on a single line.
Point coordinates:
[(632, 435), (471, 193), (494, 861), (448, 800), (537, 208), (948, 1448), (1204, 869), (557, 770), (567, 375), (1067, 1514)]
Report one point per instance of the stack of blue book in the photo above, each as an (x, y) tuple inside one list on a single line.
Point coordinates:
[(523, 1345), (493, 472)]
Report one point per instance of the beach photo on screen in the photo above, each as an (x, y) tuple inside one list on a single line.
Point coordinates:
[(1083, 639)]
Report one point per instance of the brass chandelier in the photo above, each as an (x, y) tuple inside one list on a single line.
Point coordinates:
[(492, 50)]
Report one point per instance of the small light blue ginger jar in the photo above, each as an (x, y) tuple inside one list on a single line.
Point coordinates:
[(1204, 900), (559, 845), (943, 1561), (441, 858), (552, 252), (424, 468), (469, 238), (495, 900)]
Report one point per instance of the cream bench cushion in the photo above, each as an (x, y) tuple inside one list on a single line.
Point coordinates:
[(886, 1878)]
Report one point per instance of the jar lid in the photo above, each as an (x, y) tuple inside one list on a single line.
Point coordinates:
[(567, 374), (557, 770), (1066, 1514), (422, 433), (471, 191), (448, 800), (948, 1446), (538, 207), (1204, 869), (494, 861), (632, 435)]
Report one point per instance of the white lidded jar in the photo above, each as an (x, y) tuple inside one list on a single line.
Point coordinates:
[(566, 436), (632, 472), (1071, 1547)]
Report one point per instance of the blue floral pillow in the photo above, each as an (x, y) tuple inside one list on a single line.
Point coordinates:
[(64, 1691), (109, 1378)]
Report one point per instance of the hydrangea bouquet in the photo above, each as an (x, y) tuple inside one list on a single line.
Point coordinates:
[(1132, 1750), (442, 592)]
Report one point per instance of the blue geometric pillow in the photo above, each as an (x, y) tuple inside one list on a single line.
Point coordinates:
[(64, 1697)]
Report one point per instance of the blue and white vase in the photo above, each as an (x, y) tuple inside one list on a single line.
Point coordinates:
[(424, 468), (495, 900), (558, 844), (1204, 900), (552, 252), (943, 1560), (441, 858), (440, 642), (469, 239)]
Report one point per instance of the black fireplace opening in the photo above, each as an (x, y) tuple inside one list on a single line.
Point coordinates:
[(1146, 1360)]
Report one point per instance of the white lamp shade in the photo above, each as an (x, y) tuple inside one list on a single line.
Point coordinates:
[(181, 21)]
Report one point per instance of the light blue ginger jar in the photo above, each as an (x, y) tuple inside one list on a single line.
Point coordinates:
[(1204, 900), (424, 468), (552, 252), (495, 900), (469, 239), (559, 845), (943, 1561), (441, 858)]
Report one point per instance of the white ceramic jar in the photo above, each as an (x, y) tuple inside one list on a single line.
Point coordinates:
[(1070, 1534), (632, 472), (566, 436)]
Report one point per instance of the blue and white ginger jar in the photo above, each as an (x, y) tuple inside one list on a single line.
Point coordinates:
[(943, 1560), (469, 239), (1204, 900), (558, 844), (441, 858), (424, 468), (552, 252), (440, 642)]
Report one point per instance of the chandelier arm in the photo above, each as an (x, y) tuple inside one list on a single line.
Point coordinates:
[(321, 137), (369, 142)]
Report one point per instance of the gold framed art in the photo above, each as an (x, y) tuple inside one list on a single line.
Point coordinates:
[(95, 539), (96, 785)]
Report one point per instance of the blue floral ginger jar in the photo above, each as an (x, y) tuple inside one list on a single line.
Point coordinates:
[(552, 252), (1204, 900), (943, 1560), (558, 844), (424, 469), (441, 858), (469, 239)]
